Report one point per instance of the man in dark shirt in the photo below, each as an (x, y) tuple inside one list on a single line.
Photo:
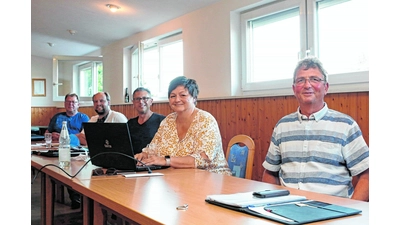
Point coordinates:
[(143, 127)]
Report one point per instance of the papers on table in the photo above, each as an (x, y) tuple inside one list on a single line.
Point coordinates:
[(248, 200), (38, 144), (134, 174)]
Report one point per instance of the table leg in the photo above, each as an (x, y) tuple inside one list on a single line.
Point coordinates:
[(87, 207), (43, 198), (98, 217), (49, 200)]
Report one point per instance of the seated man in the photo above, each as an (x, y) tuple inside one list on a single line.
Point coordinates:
[(72, 116), (101, 104), (316, 148), (74, 123), (143, 127)]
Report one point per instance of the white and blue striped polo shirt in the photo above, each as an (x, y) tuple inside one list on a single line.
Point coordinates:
[(319, 154)]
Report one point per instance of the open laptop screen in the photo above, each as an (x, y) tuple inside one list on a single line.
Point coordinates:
[(112, 138)]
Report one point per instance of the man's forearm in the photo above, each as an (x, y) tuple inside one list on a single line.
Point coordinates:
[(270, 177)]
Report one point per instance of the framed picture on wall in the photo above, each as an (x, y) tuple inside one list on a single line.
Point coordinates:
[(38, 87)]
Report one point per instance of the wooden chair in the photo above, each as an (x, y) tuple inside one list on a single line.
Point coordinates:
[(243, 151)]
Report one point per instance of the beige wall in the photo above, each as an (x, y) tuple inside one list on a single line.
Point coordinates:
[(211, 54)]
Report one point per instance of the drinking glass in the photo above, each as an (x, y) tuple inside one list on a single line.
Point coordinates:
[(151, 150), (48, 138)]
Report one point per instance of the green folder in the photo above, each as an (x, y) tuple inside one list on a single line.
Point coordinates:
[(297, 212)]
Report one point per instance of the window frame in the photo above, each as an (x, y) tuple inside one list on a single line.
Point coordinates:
[(343, 82), (92, 65), (136, 55), (73, 77)]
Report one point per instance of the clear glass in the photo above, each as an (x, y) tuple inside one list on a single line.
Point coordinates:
[(48, 139), (151, 70), (274, 46), (90, 79), (161, 64), (99, 71), (171, 64), (343, 35), (86, 81)]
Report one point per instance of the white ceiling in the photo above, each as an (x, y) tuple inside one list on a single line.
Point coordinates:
[(95, 24)]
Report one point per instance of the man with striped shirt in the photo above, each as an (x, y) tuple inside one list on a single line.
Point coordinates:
[(316, 148)]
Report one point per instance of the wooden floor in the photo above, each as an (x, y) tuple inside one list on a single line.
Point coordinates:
[(62, 212)]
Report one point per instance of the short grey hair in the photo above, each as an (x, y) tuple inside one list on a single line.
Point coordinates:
[(310, 62)]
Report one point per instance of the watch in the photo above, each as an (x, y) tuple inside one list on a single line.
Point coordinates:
[(168, 160)]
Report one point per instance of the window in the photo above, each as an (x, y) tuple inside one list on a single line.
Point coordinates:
[(273, 49), (343, 41), (156, 62), (151, 69), (90, 79), (275, 36), (80, 74)]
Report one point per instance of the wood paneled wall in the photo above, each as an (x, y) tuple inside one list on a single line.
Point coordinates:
[(255, 117), (40, 116)]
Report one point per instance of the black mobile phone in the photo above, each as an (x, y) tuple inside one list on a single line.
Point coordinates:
[(270, 193)]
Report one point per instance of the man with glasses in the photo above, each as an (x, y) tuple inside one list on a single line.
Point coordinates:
[(72, 116), (316, 148), (74, 123), (143, 127), (101, 104)]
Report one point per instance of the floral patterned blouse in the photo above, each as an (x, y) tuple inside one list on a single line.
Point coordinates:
[(203, 135)]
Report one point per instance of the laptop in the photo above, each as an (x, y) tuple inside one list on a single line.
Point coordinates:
[(110, 146), (53, 152), (37, 137)]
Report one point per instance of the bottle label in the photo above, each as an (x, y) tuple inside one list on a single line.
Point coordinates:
[(64, 154)]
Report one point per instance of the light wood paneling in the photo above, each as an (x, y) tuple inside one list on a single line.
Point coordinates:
[(255, 117), (40, 116)]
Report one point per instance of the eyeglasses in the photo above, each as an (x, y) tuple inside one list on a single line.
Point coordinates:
[(71, 102), (313, 80), (100, 172), (145, 99)]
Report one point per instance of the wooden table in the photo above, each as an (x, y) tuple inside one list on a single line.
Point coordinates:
[(153, 200), (51, 176)]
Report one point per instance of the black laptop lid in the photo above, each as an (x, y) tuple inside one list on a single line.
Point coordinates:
[(110, 137)]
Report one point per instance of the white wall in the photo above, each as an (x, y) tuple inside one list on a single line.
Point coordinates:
[(208, 52), (42, 68)]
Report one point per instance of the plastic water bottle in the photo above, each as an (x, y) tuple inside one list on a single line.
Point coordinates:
[(64, 149)]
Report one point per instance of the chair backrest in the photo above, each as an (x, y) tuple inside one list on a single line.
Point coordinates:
[(239, 158)]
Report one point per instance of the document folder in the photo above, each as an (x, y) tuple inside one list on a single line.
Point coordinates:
[(289, 209)]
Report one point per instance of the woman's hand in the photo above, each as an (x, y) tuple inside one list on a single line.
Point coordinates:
[(140, 157), (154, 160)]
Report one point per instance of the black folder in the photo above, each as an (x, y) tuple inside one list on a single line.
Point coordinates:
[(298, 212)]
